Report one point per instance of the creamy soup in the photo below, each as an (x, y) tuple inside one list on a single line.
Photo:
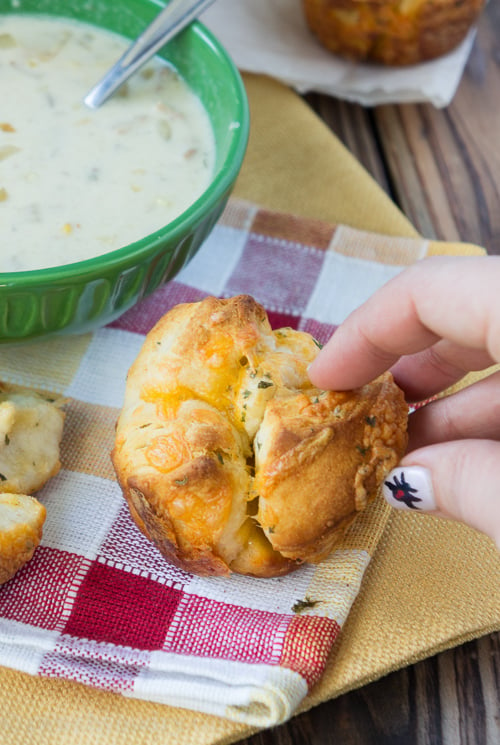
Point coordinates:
[(76, 183)]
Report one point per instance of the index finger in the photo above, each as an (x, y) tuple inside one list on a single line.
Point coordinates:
[(456, 299)]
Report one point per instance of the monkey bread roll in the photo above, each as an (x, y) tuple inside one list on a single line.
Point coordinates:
[(230, 460), (391, 32)]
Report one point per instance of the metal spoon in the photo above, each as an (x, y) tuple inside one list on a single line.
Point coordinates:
[(170, 21)]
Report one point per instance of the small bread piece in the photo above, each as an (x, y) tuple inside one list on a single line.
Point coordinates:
[(320, 458), (230, 460), (391, 32), (21, 522), (31, 428)]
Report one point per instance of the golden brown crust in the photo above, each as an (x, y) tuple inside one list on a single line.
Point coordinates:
[(325, 456), (212, 384), (21, 522), (391, 32)]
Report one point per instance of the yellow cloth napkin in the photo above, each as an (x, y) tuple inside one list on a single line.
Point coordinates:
[(430, 584)]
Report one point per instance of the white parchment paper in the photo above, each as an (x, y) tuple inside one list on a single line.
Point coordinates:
[(271, 37)]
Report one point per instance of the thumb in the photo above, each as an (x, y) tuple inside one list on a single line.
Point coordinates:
[(458, 480)]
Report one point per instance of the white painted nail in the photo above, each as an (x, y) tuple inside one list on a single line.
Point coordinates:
[(410, 488)]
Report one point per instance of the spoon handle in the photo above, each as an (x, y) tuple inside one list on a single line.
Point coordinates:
[(169, 22)]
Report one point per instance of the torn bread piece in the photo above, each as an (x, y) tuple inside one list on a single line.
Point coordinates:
[(230, 460), (21, 522), (31, 426)]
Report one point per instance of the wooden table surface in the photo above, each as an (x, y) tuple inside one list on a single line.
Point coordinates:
[(442, 167)]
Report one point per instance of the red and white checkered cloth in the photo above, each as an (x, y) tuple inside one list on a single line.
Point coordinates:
[(98, 604)]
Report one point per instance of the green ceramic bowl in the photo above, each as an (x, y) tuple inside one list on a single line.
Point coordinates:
[(82, 296)]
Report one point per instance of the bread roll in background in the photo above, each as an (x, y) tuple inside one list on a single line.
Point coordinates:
[(230, 460), (391, 32)]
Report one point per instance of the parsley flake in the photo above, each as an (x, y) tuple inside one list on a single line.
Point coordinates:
[(264, 384), (306, 604), (181, 482)]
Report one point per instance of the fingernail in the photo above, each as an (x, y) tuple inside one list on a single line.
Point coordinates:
[(310, 368), (410, 488)]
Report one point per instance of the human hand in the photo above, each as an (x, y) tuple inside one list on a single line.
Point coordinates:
[(432, 324)]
